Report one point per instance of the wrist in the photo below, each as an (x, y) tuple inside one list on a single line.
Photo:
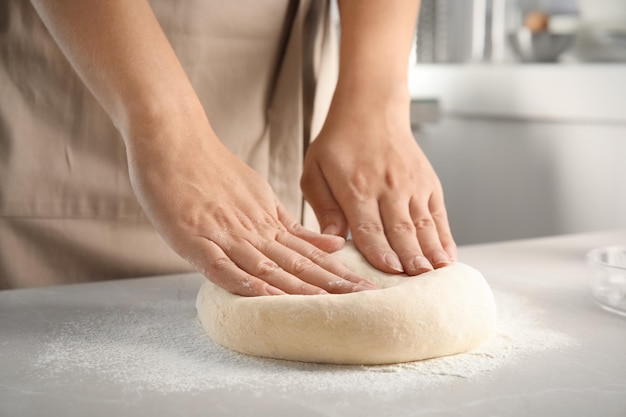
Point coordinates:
[(370, 98), (170, 120), (172, 134), (363, 88)]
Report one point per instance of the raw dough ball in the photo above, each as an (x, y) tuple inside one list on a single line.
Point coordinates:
[(443, 312)]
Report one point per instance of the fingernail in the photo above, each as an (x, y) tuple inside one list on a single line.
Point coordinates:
[(331, 229), (358, 288), (393, 262), (368, 285), (421, 264), (440, 259), (273, 290)]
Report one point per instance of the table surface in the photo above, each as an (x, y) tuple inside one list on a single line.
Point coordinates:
[(135, 347)]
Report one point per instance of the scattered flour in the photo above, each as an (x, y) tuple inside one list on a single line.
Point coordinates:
[(162, 347)]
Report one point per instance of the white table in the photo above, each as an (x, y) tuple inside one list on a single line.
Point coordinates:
[(40, 328)]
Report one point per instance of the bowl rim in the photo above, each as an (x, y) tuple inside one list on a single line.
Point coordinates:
[(593, 256)]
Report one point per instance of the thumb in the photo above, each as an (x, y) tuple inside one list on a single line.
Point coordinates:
[(328, 212)]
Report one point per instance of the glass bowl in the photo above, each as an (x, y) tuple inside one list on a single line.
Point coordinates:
[(607, 277)]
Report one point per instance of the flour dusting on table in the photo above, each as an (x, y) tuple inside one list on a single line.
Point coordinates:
[(162, 347)]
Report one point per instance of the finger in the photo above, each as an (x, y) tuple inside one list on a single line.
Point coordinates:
[(326, 271), (427, 234), (319, 195), (402, 237), (369, 237), (253, 259), (440, 216), (328, 243), (221, 270)]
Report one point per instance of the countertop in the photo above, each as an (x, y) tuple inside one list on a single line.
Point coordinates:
[(134, 347)]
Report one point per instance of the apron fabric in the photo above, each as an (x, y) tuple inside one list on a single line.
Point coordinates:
[(264, 72)]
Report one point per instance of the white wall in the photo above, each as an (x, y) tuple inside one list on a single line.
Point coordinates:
[(509, 179)]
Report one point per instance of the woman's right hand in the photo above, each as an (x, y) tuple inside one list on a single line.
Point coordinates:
[(209, 206), (224, 218)]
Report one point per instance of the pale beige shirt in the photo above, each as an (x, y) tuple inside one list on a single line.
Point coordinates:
[(264, 71)]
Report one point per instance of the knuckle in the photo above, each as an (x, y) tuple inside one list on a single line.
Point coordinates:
[(244, 287), (192, 220), (305, 288), (318, 256), (291, 226), (341, 286), (220, 264), (390, 178), (439, 213), (359, 184), (203, 217), (424, 223), (403, 227), (300, 264), (358, 190), (250, 224), (266, 268), (269, 219), (369, 227)]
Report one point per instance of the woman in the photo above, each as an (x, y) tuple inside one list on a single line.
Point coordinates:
[(214, 119)]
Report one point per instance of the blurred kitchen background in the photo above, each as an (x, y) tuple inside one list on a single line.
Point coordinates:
[(521, 108)]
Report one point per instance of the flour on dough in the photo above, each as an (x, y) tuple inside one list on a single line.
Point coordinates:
[(439, 313)]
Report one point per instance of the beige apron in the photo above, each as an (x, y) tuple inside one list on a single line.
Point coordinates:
[(67, 211)]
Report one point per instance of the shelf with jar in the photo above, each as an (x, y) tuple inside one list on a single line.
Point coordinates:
[(552, 60), (523, 31)]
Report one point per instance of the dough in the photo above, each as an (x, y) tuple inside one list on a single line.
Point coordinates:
[(443, 312)]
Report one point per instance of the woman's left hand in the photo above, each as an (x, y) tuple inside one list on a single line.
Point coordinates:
[(366, 174)]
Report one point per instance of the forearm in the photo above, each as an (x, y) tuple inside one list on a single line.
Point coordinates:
[(376, 41), (122, 55)]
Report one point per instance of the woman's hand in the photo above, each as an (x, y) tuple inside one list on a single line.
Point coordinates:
[(209, 206), (366, 174), (225, 220)]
